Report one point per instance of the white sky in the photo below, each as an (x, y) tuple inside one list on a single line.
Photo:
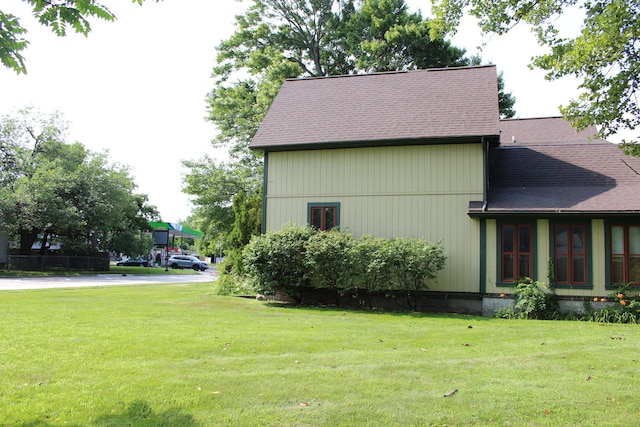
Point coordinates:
[(137, 86)]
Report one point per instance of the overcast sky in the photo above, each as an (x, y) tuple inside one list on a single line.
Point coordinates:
[(136, 87)]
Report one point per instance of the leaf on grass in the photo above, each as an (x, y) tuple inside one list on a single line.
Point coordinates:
[(451, 392), (303, 404), (423, 349)]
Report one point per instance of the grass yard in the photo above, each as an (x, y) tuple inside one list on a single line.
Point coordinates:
[(180, 356)]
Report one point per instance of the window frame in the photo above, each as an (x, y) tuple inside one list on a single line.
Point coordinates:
[(518, 224), (572, 223), (609, 254), (323, 206)]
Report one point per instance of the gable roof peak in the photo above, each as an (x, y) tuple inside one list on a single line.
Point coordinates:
[(398, 107), (391, 72)]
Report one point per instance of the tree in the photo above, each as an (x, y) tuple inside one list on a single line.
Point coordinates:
[(280, 39), (52, 189), (605, 56), (59, 15), (247, 212)]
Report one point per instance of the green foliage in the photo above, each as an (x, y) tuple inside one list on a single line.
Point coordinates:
[(626, 307), (371, 264), (533, 300), (57, 15), (232, 284), (276, 260), (329, 260), (276, 40), (247, 212), (505, 313), (214, 186), (295, 257), (603, 57), (49, 188)]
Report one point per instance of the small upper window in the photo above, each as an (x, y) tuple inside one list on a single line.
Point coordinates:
[(324, 216)]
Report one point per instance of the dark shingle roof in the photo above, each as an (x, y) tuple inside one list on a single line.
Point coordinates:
[(376, 108), (551, 168)]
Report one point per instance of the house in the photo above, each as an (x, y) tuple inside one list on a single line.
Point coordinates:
[(424, 154)]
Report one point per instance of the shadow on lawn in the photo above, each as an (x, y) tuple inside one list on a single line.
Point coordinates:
[(137, 414), (140, 414)]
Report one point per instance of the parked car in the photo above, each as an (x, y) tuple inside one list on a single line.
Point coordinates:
[(187, 261), (134, 262)]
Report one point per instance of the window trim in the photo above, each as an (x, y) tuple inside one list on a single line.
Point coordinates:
[(625, 223), (533, 264), (588, 255), (335, 205)]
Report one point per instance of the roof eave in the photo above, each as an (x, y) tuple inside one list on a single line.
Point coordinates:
[(467, 139), (545, 213)]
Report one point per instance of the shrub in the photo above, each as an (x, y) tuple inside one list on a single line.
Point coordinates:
[(505, 313), (276, 261), (626, 309), (411, 265), (370, 271), (329, 260), (233, 284), (534, 300), (295, 257)]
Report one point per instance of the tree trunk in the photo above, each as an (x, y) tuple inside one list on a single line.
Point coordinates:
[(27, 238)]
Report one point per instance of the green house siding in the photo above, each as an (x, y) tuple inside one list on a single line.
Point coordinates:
[(407, 191)]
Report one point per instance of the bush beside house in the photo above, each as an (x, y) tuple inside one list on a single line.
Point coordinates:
[(298, 261)]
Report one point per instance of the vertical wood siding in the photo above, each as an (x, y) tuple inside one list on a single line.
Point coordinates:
[(408, 191)]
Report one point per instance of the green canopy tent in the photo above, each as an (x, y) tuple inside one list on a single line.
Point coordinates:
[(175, 229)]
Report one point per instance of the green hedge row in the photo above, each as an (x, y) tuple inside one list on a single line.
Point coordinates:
[(297, 257)]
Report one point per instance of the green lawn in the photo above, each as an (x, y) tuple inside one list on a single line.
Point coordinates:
[(177, 355)]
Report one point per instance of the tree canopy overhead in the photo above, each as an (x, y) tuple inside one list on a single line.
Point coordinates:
[(604, 57), (59, 15)]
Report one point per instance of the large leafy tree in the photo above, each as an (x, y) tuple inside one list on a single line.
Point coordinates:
[(279, 39), (59, 15), (52, 189), (604, 57)]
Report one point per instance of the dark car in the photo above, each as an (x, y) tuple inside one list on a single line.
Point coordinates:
[(133, 262)]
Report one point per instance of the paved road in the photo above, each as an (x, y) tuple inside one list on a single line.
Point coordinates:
[(26, 283)]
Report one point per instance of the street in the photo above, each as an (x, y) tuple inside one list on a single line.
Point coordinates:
[(27, 283)]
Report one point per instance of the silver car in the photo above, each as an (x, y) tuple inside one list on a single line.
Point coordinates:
[(187, 261)]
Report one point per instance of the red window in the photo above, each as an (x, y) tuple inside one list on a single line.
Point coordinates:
[(570, 257), (625, 254), (516, 252), (324, 217)]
